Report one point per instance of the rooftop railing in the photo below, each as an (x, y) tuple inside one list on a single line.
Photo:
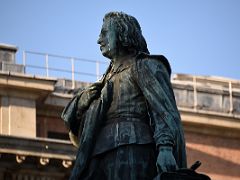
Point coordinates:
[(199, 93), (209, 93), (66, 67)]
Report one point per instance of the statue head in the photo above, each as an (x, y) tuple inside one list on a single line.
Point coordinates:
[(121, 34)]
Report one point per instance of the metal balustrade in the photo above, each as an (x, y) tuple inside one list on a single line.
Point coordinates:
[(216, 94), (77, 68)]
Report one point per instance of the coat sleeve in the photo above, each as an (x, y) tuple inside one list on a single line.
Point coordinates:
[(153, 79)]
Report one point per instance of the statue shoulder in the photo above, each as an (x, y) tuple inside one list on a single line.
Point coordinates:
[(154, 59)]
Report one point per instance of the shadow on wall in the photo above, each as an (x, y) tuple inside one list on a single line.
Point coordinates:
[(212, 164)]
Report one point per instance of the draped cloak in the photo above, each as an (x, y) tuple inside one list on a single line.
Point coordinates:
[(152, 75)]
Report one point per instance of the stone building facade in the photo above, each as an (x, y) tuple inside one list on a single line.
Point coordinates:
[(34, 141)]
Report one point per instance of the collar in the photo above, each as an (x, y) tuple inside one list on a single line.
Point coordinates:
[(122, 63)]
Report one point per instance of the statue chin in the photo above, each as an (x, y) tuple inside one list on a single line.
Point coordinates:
[(107, 54)]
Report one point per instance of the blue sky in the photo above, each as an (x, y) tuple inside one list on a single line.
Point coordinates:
[(200, 37)]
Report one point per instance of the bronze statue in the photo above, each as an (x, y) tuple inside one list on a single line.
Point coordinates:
[(127, 125)]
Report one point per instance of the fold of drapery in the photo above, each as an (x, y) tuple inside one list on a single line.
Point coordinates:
[(93, 119), (69, 114)]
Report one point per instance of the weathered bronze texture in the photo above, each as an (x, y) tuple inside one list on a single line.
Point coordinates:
[(130, 111)]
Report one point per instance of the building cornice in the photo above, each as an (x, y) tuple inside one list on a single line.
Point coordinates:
[(25, 86), (37, 147)]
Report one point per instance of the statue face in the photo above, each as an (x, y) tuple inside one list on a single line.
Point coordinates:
[(108, 40)]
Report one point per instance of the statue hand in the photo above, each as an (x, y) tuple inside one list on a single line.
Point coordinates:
[(166, 160), (89, 94)]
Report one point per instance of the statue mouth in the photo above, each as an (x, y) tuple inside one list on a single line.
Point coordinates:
[(102, 47)]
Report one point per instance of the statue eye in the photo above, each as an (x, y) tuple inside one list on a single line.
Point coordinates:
[(103, 32)]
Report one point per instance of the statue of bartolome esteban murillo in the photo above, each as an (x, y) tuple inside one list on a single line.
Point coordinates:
[(127, 125)]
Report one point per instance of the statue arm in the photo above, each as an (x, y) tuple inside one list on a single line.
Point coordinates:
[(154, 81), (73, 113)]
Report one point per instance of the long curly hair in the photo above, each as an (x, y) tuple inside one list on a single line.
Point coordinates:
[(128, 31)]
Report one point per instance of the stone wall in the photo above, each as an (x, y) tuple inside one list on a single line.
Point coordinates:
[(220, 157), (8, 60)]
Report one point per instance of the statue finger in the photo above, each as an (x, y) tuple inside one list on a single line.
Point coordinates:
[(161, 168), (93, 94), (172, 168), (92, 88), (97, 85)]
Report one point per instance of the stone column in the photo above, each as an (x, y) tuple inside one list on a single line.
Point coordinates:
[(19, 96), (18, 116)]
